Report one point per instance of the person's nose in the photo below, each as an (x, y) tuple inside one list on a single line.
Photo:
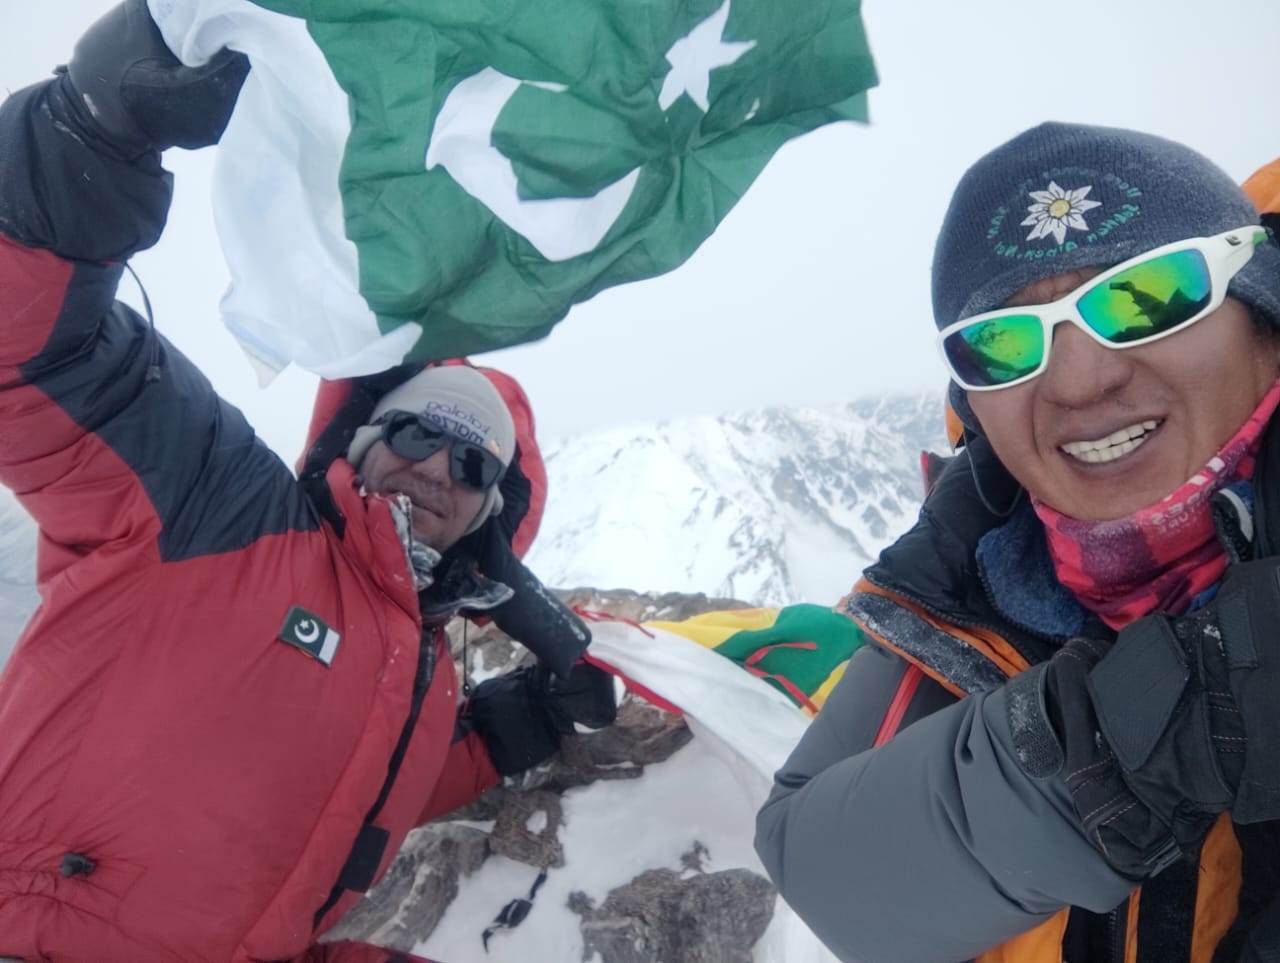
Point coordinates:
[(435, 467), (1082, 372)]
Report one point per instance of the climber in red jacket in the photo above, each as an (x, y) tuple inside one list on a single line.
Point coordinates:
[(236, 697)]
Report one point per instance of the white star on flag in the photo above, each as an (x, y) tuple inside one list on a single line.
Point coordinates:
[(693, 57), (330, 192)]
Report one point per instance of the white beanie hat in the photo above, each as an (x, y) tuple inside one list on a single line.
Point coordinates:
[(460, 401)]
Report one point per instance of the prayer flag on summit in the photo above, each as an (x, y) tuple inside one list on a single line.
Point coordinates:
[(432, 178)]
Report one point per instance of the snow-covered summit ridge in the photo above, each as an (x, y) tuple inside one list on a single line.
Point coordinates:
[(774, 506)]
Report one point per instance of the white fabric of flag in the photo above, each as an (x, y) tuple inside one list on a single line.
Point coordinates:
[(424, 179)]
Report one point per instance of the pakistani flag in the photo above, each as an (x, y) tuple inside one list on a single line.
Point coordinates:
[(422, 179)]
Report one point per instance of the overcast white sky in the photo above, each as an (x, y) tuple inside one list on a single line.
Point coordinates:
[(816, 287)]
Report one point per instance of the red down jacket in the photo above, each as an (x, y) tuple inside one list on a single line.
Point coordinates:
[(226, 714)]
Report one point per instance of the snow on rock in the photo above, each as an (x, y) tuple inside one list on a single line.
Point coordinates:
[(644, 831)]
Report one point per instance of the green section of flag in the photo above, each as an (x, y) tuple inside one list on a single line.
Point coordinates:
[(307, 631), (587, 113), (834, 637)]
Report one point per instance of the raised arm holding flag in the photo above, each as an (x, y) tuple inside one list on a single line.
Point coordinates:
[(237, 697)]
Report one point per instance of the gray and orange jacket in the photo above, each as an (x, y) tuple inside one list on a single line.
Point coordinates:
[(227, 712), (902, 827)]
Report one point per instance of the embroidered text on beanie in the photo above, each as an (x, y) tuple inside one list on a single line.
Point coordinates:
[(1060, 197), (460, 401)]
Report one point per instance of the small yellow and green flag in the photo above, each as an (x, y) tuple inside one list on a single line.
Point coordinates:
[(800, 650)]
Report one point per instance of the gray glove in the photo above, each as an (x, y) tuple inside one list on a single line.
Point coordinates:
[(141, 97)]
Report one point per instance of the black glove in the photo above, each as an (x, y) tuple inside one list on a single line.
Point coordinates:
[(533, 616), (586, 699), (1170, 726), (139, 95), (1055, 733), (523, 715), (1214, 697)]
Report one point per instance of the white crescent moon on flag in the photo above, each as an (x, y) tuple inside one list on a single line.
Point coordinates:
[(307, 636), (461, 143)]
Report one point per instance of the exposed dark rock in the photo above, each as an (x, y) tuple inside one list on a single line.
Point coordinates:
[(421, 883), (693, 860), (528, 829), (720, 916), (484, 647), (642, 735), (646, 606), (662, 915)]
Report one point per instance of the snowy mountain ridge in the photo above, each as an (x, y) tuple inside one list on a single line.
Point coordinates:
[(773, 507)]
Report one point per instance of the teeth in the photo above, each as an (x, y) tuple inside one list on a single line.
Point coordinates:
[(1113, 446)]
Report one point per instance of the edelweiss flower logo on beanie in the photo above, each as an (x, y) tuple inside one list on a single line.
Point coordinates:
[(1060, 197), (1056, 210)]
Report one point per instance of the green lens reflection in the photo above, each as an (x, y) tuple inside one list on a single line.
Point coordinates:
[(1148, 298), (997, 351)]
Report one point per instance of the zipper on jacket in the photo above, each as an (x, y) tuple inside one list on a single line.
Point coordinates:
[(359, 860), (1000, 627), (1116, 933), (1016, 638)]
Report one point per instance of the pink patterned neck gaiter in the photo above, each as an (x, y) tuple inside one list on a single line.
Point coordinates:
[(1162, 556)]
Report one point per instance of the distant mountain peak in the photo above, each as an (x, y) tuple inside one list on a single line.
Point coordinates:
[(776, 505)]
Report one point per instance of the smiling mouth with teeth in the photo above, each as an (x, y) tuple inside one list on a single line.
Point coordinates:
[(1113, 446)]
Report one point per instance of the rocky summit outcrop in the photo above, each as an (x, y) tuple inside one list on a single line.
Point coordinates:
[(675, 914), (666, 915)]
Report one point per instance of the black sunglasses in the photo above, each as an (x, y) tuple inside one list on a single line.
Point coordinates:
[(415, 438)]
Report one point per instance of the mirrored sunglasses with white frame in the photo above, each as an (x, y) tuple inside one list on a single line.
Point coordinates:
[(1138, 301)]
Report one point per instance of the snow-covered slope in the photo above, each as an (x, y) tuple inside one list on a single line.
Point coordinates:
[(773, 507)]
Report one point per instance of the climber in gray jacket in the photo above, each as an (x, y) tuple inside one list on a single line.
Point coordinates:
[(1071, 692)]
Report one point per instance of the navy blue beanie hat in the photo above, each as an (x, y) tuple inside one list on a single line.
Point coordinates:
[(1060, 197)]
